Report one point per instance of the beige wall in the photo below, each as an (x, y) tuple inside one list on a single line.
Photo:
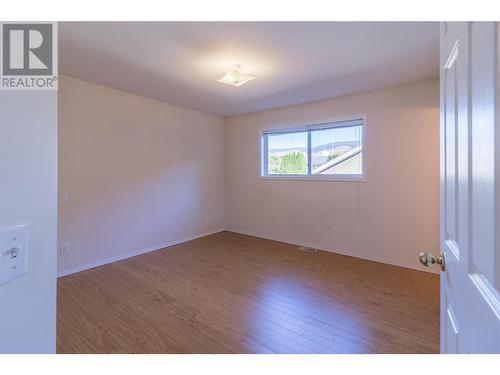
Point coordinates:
[(140, 174), (390, 217)]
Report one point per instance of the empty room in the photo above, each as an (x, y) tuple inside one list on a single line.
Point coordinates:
[(223, 196), (250, 188)]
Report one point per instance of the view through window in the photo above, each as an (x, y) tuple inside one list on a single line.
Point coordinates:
[(333, 149)]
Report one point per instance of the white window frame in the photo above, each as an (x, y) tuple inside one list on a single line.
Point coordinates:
[(306, 127)]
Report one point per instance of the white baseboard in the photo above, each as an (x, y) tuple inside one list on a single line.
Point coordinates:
[(131, 254), (253, 234), (415, 266)]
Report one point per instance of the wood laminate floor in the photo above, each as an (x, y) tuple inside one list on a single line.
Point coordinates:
[(231, 293)]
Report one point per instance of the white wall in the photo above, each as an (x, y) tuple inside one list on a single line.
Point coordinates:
[(28, 182), (390, 217), (140, 174)]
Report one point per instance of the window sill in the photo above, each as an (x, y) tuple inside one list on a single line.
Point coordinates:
[(337, 178)]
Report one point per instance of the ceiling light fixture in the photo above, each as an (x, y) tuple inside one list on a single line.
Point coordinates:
[(235, 77)]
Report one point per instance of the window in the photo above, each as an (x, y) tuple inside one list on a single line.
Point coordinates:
[(326, 151)]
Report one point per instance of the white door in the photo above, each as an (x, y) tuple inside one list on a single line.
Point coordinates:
[(470, 187)]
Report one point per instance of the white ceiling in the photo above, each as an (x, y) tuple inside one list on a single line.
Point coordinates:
[(294, 62)]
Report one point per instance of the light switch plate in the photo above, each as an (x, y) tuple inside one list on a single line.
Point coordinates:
[(13, 252)]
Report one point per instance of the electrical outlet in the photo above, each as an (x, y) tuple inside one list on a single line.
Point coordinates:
[(64, 248), (64, 198)]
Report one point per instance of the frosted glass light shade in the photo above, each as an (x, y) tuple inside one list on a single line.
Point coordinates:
[(235, 77)]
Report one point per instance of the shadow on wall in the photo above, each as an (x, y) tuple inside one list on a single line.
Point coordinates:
[(138, 173)]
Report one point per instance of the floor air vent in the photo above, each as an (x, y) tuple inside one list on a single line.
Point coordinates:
[(307, 249)]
